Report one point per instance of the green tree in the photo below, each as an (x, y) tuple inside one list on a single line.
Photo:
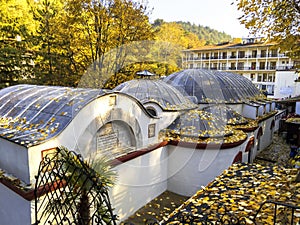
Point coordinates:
[(54, 62), (16, 58), (277, 21)]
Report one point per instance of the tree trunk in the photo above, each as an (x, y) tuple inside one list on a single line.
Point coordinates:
[(83, 209)]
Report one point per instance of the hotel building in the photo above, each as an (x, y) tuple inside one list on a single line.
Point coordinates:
[(272, 71)]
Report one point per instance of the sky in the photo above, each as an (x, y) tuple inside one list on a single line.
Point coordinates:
[(216, 14)]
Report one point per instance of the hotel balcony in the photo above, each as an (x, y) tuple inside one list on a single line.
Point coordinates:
[(230, 57), (246, 68)]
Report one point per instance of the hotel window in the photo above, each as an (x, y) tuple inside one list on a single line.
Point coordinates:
[(224, 55), (241, 54), (270, 89), (259, 78), (233, 55), (263, 53), (232, 66), (265, 77), (273, 53), (252, 76), (271, 78), (240, 66), (262, 65), (254, 54), (223, 66), (273, 65)]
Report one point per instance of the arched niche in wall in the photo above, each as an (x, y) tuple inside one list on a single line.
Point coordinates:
[(114, 139), (258, 138)]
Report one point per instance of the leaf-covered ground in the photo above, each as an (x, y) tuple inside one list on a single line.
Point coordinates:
[(238, 191)]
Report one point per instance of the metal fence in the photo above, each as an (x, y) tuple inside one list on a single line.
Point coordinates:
[(69, 192)]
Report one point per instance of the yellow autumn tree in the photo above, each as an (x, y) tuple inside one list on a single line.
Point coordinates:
[(277, 21)]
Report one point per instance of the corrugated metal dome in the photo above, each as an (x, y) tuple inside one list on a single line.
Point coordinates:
[(213, 86), (31, 114), (225, 113), (198, 123), (168, 97)]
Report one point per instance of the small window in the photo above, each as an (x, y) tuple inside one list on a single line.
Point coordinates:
[(112, 100), (152, 111)]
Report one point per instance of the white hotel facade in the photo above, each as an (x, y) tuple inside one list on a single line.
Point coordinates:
[(270, 70)]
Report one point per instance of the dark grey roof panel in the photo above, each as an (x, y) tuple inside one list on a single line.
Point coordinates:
[(213, 86), (31, 114), (168, 97)]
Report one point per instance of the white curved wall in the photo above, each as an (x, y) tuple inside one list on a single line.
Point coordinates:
[(80, 134), (267, 137), (190, 169), (139, 181)]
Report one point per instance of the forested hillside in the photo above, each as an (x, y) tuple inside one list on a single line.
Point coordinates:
[(208, 34), (204, 33)]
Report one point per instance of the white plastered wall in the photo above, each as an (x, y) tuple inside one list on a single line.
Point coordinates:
[(79, 134), (189, 169), (139, 181), (285, 84), (267, 137), (14, 160), (14, 210), (249, 111)]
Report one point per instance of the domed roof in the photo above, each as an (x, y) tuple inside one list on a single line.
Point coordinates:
[(198, 123), (225, 113), (198, 126), (168, 97), (31, 114), (213, 86)]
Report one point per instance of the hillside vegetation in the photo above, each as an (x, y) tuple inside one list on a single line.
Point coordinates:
[(206, 33)]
